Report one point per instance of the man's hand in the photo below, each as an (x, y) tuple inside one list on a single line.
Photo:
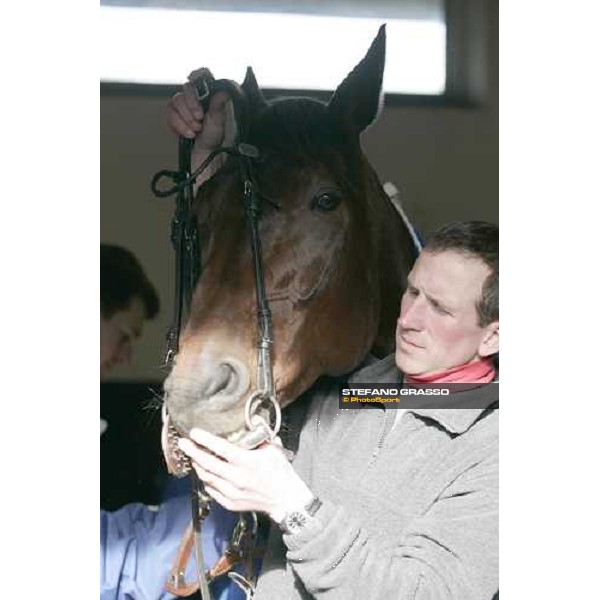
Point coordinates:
[(247, 480), (187, 118)]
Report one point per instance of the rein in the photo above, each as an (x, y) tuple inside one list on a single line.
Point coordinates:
[(188, 267)]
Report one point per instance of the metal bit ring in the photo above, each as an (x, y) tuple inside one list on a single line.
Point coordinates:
[(253, 402)]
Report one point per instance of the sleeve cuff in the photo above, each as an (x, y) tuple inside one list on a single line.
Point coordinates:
[(325, 514)]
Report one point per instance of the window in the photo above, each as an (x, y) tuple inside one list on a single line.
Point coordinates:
[(302, 44)]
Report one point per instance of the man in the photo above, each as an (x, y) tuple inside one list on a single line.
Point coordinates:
[(387, 503), (127, 299)]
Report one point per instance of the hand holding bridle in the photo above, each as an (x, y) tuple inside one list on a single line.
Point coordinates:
[(187, 117), (259, 480)]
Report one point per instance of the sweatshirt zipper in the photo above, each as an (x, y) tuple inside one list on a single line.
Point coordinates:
[(381, 441)]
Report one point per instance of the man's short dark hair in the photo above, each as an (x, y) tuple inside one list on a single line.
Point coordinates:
[(480, 240), (122, 279)]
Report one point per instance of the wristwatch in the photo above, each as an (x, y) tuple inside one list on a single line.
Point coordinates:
[(295, 520)]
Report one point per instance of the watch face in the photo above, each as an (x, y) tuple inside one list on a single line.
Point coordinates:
[(295, 521)]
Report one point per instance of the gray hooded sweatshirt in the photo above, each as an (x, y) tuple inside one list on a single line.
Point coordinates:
[(409, 512)]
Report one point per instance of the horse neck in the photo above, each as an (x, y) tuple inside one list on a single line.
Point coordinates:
[(396, 255)]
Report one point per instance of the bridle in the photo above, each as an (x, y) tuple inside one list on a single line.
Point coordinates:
[(188, 269), (185, 239)]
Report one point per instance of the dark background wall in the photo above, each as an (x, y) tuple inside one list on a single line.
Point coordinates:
[(131, 464)]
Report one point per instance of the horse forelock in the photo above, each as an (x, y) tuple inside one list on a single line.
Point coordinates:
[(296, 128), (298, 133)]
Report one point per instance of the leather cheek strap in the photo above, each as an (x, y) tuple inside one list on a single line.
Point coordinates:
[(176, 583)]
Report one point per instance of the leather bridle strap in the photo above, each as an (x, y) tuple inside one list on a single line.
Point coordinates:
[(200, 509), (252, 207), (184, 237), (184, 229), (184, 234), (177, 584)]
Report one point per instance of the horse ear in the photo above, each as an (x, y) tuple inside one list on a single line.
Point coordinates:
[(359, 99), (255, 98)]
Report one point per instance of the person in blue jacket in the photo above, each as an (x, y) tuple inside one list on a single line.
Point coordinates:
[(139, 543)]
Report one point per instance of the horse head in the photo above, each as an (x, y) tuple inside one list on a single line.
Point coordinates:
[(336, 256)]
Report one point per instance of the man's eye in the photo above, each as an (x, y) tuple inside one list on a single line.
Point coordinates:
[(412, 292), (438, 308)]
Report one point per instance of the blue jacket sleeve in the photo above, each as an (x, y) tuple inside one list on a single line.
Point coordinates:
[(138, 546)]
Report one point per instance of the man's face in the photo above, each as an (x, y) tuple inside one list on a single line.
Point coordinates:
[(438, 324), (117, 334)]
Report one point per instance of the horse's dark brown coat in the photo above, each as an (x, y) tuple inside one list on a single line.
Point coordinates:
[(334, 278)]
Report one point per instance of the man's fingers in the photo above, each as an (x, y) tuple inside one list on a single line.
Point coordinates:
[(190, 111), (179, 126), (209, 462), (180, 119), (216, 107), (219, 497), (192, 104), (208, 478), (217, 445)]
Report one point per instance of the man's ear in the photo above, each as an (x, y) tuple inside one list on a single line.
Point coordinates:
[(490, 343)]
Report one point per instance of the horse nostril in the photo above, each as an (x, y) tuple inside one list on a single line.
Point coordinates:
[(213, 385), (222, 381)]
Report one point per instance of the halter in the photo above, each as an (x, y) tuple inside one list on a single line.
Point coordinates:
[(188, 266)]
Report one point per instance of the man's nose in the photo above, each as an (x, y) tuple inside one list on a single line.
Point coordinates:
[(411, 314)]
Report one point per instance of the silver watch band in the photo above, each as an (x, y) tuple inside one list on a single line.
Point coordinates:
[(297, 519), (313, 506)]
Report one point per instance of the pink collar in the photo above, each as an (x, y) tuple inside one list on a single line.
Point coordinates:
[(480, 371)]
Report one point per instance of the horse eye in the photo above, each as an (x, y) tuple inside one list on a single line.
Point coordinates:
[(326, 201)]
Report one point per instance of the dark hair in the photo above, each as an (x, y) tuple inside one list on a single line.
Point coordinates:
[(122, 279), (480, 240)]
